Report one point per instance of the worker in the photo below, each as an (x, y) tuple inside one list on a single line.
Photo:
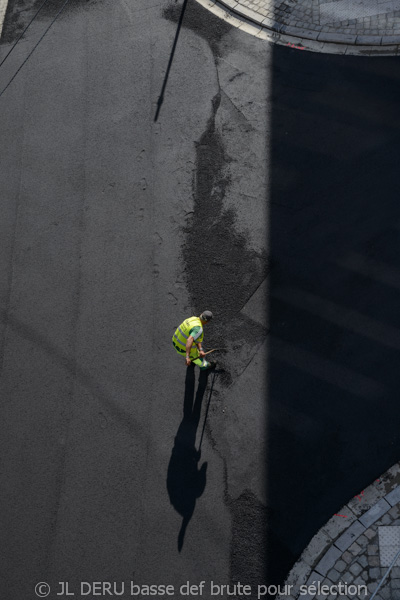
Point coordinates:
[(188, 338)]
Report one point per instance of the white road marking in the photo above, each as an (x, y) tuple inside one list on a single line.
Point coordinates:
[(3, 8)]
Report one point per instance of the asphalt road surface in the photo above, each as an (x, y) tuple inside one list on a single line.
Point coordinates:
[(266, 190)]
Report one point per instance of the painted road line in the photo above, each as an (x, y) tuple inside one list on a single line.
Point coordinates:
[(3, 8)]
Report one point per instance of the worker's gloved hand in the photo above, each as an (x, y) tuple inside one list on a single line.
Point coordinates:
[(202, 353), (188, 362)]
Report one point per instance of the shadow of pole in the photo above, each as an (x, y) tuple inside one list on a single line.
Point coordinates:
[(171, 58), (185, 481), (206, 415)]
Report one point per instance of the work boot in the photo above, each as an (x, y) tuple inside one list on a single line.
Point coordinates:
[(210, 366)]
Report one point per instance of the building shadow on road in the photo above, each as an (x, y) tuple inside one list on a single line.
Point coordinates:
[(334, 342), (185, 480)]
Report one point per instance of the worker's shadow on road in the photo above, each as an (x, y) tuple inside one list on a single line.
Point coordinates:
[(185, 481)]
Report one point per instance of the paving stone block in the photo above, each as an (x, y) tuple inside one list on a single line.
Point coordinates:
[(378, 510), (316, 548), (395, 572), (337, 525), (385, 520), (395, 583), (334, 48), (229, 3), (338, 38), (394, 496), (249, 27), (350, 535), (373, 561), (359, 582), (391, 39), (369, 40), (347, 557), (321, 596), (316, 47), (389, 544), (362, 540), (372, 549), (355, 549), (347, 578), (328, 560), (263, 34), (385, 593), (247, 12), (340, 566), (370, 533), (300, 32), (355, 568), (362, 560), (312, 581), (272, 24), (298, 575), (333, 575), (374, 573)]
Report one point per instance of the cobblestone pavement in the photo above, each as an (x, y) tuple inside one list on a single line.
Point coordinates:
[(369, 26), (351, 554)]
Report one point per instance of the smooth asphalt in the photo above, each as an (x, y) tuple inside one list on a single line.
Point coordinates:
[(263, 186)]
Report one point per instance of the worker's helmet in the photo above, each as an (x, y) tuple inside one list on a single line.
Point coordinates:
[(206, 315)]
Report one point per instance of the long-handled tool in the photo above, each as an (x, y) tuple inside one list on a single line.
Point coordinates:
[(209, 352), (216, 350)]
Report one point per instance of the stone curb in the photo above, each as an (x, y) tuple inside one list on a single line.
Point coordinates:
[(340, 38), (301, 38), (340, 534)]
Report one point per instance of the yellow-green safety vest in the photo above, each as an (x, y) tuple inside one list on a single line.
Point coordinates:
[(181, 335)]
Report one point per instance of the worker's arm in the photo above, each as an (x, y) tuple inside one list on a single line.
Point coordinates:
[(197, 333), (200, 350), (189, 345)]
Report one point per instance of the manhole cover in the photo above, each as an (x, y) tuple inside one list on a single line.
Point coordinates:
[(389, 545)]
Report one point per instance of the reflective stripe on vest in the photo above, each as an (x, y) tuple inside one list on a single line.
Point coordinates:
[(182, 333)]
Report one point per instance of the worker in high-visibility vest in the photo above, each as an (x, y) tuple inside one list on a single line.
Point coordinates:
[(188, 338)]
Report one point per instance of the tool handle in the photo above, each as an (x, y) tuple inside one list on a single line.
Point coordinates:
[(214, 350), (209, 352)]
